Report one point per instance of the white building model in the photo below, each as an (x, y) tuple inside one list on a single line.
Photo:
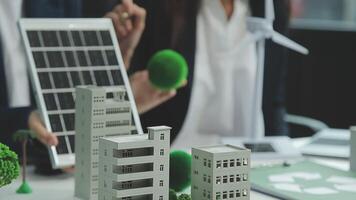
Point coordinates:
[(220, 172), (99, 112), (135, 167)]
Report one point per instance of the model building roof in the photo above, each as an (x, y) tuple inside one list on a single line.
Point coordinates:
[(128, 138), (221, 149)]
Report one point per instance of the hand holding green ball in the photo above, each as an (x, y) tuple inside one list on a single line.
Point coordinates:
[(167, 70)]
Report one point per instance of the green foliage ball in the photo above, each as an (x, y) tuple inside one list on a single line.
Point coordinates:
[(184, 197), (172, 195), (9, 165), (180, 170), (167, 70)]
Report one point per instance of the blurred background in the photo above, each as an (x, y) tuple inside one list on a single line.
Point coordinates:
[(321, 85)]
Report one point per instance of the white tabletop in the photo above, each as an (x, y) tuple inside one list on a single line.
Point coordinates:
[(62, 187)]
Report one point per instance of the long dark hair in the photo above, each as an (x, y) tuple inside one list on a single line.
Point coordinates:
[(180, 12)]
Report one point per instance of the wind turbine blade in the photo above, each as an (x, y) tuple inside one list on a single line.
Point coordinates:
[(284, 41), (269, 10)]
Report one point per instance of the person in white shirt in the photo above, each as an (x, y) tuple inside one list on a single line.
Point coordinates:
[(224, 78), (218, 97)]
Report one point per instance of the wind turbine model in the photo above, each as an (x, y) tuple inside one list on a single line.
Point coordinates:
[(262, 29), (265, 147)]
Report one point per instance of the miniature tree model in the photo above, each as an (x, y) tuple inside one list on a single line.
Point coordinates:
[(9, 165), (23, 136)]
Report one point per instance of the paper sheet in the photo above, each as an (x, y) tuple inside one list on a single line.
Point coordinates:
[(281, 178), (288, 187), (306, 176), (320, 191), (289, 177), (346, 188), (341, 180)]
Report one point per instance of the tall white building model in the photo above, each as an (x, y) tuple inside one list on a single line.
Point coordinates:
[(220, 172), (135, 167), (353, 149), (100, 111)]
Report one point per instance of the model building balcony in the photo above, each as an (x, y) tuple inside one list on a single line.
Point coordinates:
[(132, 184), (129, 169), (121, 194), (136, 152)]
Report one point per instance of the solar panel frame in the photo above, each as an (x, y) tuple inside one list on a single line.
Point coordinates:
[(64, 27)]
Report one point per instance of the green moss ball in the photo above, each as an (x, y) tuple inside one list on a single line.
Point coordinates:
[(167, 70), (180, 170)]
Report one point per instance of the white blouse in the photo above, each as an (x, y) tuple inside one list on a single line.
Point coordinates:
[(13, 53), (224, 78)]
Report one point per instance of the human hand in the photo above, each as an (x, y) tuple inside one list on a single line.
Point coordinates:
[(146, 96), (42, 134), (129, 22)]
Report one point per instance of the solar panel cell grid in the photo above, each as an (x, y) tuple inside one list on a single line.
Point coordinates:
[(91, 38), (69, 121), (62, 149), (82, 58), (102, 78), (50, 102), (75, 78), (64, 59), (117, 77), (44, 80), (60, 79), (75, 59), (106, 38), (50, 38), (64, 38), (76, 38), (33, 39), (96, 58), (55, 123), (71, 142), (39, 59), (69, 57), (111, 57), (66, 100), (87, 78), (55, 59)]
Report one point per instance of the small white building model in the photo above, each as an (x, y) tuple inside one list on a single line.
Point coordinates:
[(135, 167), (220, 172), (353, 149), (100, 111)]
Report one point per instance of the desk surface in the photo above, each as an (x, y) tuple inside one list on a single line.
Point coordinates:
[(62, 187)]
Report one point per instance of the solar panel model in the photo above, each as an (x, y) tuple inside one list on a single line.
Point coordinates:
[(65, 53)]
